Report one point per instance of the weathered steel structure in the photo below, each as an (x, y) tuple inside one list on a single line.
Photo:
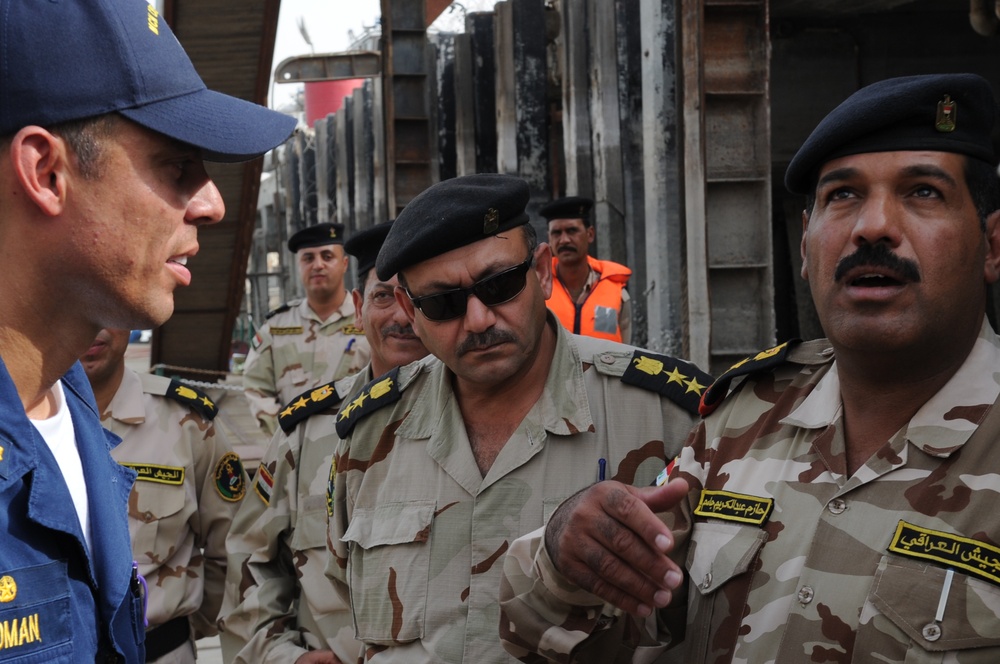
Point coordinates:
[(677, 116)]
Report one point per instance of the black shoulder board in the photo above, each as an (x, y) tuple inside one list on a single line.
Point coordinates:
[(382, 391), (308, 403), (193, 398), (280, 310), (762, 361), (679, 381)]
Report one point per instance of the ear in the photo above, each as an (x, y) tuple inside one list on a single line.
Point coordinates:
[(591, 234), (40, 160), (991, 268), (543, 267), (403, 300), (359, 301), (802, 246)]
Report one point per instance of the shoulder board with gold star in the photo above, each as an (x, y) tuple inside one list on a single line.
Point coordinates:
[(680, 381), (193, 398), (762, 361), (308, 403), (380, 392), (280, 310), (351, 328)]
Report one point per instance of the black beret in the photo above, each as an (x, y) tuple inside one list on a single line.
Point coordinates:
[(364, 245), (939, 112), (316, 236), (452, 214), (571, 207)]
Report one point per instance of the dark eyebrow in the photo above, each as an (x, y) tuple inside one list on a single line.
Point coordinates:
[(488, 271), (914, 171)]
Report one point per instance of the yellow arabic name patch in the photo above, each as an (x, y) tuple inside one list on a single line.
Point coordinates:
[(162, 474), (734, 507), (279, 331), (977, 558)]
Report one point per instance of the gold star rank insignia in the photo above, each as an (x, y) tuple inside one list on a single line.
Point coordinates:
[(679, 381), (380, 392), (316, 400)]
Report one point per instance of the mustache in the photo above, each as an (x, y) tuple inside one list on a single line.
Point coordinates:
[(485, 339), (395, 328), (877, 255)]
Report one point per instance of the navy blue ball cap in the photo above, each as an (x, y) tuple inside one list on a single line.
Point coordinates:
[(570, 207), (452, 214), (75, 59), (938, 112), (317, 235), (365, 245)]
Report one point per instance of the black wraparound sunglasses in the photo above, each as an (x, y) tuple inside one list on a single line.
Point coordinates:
[(501, 287)]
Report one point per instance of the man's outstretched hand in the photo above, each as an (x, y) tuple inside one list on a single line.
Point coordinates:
[(608, 540)]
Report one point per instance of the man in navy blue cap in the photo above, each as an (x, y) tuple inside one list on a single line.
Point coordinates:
[(447, 460), (104, 127), (309, 341), (837, 503), (588, 295)]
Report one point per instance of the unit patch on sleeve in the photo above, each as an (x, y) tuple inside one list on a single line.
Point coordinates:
[(979, 559), (730, 506), (263, 483), (308, 403), (230, 480), (382, 391), (679, 381), (148, 472)]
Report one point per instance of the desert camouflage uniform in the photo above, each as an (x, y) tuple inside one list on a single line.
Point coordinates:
[(419, 534), (830, 568), (295, 351), (279, 603), (189, 486)]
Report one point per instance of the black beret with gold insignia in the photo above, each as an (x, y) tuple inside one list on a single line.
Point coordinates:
[(570, 207), (193, 398), (940, 112), (310, 402), (316, 236), (453, 214), (365, 245)]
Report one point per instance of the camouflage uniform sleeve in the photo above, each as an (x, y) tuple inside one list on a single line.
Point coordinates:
[(546, 617), (258, 619), (217, 504), (336, 569), (259, 383)]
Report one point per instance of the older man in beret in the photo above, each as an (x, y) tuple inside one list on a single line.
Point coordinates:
[(445, 462), (588, 295), (838, 501), (279, 604), (309, 341)]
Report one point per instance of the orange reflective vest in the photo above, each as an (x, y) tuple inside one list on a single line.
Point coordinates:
[(597, 316)]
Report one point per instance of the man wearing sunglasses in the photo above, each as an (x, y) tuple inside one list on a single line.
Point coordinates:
[(445, 462)]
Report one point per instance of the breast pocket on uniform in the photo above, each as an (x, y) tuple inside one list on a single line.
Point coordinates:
[(35, 622), (720, 556), (388, 570), (151, 504), (918, 613)]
